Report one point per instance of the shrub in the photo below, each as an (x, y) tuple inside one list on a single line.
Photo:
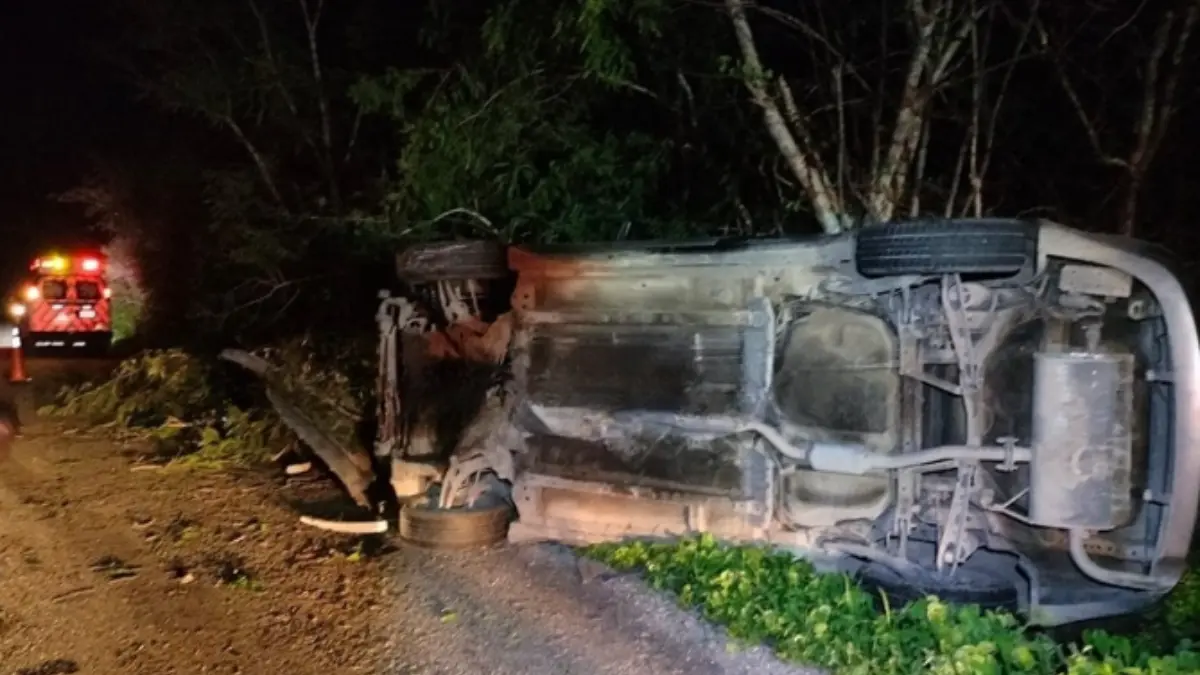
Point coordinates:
[(763, 595), (239, 438), (145, 391), (179, 401), (334, 387)]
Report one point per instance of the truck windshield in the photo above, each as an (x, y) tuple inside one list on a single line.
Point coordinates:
[(87, 290), (54, 289)]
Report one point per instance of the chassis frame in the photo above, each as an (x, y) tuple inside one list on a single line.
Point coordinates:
[(736, 291)]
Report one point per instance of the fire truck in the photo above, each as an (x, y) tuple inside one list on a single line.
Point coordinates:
[(64, 303)]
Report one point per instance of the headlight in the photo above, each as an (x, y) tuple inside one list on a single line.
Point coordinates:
[(16, 310)]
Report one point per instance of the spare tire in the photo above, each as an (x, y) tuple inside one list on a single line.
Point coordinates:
[(988, 246), (424, 525), (452, 260)]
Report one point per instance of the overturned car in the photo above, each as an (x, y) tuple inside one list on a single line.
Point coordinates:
[(997, 411)]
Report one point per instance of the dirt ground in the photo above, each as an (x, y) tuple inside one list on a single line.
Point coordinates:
[(110, 565)]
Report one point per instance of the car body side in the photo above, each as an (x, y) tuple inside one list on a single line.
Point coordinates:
[(641, 369)]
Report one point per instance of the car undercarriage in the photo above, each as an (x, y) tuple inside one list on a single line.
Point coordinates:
[(990, 410)]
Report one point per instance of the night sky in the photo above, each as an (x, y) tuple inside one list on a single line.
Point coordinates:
[(62, 107)]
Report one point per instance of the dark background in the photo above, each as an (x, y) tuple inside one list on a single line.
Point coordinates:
[(67, 109), (63, 106)]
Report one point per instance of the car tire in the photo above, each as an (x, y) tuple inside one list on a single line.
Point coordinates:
[(452, 261), (426, 526), (984, 246)]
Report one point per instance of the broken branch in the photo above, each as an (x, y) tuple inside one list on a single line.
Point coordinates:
[(816, 184), (352, 468)]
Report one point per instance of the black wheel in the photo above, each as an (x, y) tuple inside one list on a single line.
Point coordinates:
[(455, 260), (984, 246), (424, 525)]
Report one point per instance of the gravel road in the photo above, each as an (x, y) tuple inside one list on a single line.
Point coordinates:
[(109, 566), (537, 610), (106, 570)]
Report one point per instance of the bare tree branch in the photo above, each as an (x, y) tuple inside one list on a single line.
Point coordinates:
[(1159, 104), (877, 109), (808, 142), (1077, 105), (838, 79), (312, 21), (353, 140), (878, 160), (1010, 67), (1150, 107), (962, 28), (956, 179), (975, 176), (276, 71), (914, 204), (829, 212), (1124, 24), (816, 37), (260, 162), (888, 184)]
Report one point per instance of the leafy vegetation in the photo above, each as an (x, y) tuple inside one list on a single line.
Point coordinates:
[(238, 438), (526, 130), (178, 401), (1179, 618), (201, 415), (333, 383), (761, 595), (317, 146), (307, 141), (147, 391)]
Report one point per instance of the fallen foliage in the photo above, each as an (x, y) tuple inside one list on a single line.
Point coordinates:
[(178, 401), (146, 391), (335, 390), (201, 417), (329, 430), (238, 438), (767, 596)]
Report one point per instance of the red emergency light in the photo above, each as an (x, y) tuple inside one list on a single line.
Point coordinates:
[(61, 264), (54, 263)]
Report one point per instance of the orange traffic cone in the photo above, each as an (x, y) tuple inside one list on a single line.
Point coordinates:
[(16, 364)]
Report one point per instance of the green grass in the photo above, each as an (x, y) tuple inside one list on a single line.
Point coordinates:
[(766, 596), (176, 400), (184, 404)]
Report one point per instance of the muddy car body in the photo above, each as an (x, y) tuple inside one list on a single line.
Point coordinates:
[(1000, 411)]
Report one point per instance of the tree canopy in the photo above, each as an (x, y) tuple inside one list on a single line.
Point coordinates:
[(324, 135)]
